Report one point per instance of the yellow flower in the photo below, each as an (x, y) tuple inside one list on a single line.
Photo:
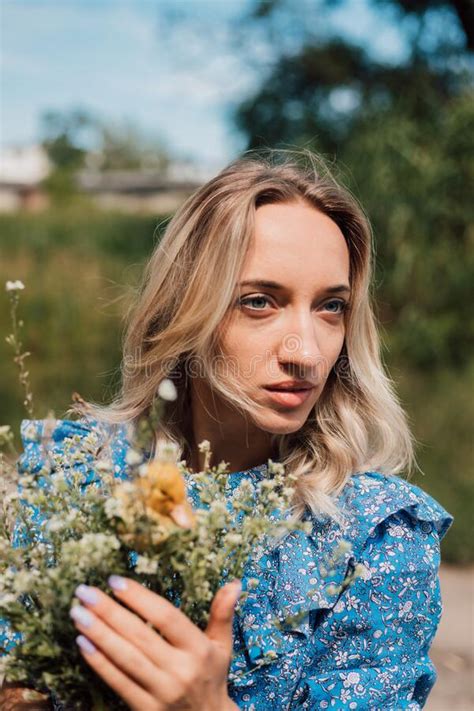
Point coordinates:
[(164, 491), (161, 490)]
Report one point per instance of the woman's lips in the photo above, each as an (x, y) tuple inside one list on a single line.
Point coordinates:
[(290, 398)]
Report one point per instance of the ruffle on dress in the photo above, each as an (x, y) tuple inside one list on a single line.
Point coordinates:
[(311, 571)]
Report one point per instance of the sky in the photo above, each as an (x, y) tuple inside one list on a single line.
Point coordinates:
[(168, 66)]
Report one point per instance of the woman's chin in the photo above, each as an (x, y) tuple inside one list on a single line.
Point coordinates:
[(282, 422)]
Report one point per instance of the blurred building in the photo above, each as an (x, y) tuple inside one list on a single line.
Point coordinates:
[(137, 191), (22, 171)]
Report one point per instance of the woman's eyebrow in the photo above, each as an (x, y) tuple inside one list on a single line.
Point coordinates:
[(266, 284)]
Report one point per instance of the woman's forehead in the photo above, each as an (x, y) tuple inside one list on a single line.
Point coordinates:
[(294, 242)]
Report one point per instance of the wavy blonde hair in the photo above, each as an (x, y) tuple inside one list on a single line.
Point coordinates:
[(186, 295)]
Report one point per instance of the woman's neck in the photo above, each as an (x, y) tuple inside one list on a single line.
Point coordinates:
[(240, 452), (233, 439)]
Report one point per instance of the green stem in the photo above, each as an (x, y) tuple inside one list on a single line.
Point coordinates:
[(98, 703)]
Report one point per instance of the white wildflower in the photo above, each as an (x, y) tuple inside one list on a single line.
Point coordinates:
[(104, 466), (92, 550), (167, 390), (24, 580), (267, 484), (89, 443), (341, 549), (5, 661), (167, 451), (146, 565), (55, 524), (6, 599), (10, 498), (244, 490), (307, 527), (204, 446), (219, 513), (39, 550), (276, 468), (6, 434), (14, 285), (126, 489), (143, 470), (218, 507), (360, 571), (4, 547), (71, 516), (58, 480), (133, 458), (114, 508)]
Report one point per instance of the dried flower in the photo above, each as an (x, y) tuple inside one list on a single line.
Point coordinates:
[(6, 435), (14, 285), (167, 390)]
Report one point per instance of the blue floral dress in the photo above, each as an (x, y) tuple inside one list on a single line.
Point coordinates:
[(362, 646)]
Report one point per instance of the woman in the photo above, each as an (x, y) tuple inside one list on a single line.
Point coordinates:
[(257, 303)]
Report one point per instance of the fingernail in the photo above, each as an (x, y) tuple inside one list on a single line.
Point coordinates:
[(117, 583), (85, 644), (86, 594), (81, 615), (236, 588)]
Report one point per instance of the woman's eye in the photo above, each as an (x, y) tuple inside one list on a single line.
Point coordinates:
[(261, 300), (340, 306)]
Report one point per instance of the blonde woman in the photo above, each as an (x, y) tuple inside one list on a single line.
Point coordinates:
[(257, 303)]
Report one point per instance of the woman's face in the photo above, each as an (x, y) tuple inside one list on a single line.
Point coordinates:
[(288, 333)]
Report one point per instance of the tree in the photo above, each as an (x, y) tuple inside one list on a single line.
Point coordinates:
[(405, 135), (126, 147), (75, 140), (61, 138)]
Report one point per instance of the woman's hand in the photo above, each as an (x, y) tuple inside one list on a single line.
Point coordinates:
[(176, 667)]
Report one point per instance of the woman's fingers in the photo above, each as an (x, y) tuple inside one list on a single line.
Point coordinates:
[(219, 627), (121, 653), (126, 624), (136, 697), (171, 622)]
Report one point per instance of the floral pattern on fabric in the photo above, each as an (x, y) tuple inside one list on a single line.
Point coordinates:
[(363, 647)]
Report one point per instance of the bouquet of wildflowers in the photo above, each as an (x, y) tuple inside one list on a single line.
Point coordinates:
[(56, 533)]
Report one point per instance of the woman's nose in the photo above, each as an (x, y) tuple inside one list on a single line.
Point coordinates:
[(300, 348)]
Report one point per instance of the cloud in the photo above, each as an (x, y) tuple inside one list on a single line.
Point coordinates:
[(171, 67), (112, 59)]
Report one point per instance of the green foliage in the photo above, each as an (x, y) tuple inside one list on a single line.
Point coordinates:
[(412, 178), (76, 266), (125, 147), (404, 135), (75, 139), (61, 138), (442, 411)]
